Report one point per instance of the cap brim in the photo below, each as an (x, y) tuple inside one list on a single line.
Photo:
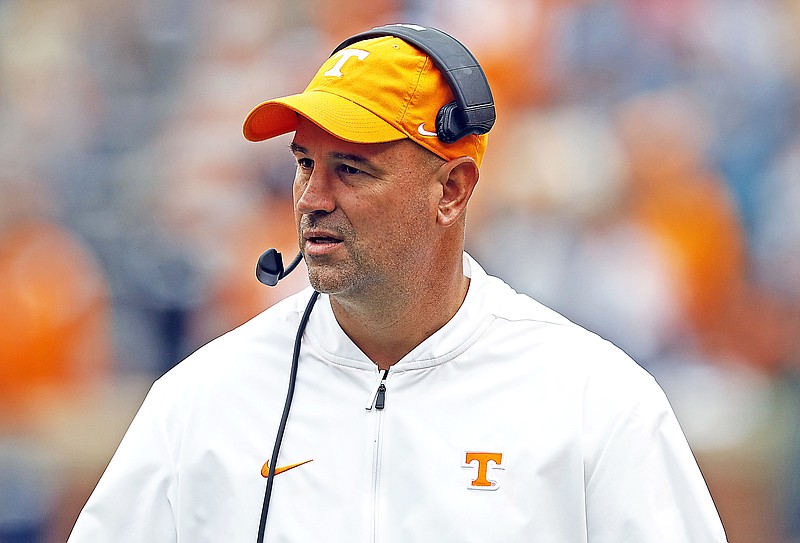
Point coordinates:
[(341, 117)]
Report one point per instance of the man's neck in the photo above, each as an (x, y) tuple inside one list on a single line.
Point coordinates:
[(387, 326)]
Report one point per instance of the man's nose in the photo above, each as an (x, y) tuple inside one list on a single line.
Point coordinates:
[(315, 194)]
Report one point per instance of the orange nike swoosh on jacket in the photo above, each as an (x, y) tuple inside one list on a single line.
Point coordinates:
[(281, 469)]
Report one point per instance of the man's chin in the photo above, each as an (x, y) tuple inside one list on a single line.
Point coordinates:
[(328, 279)]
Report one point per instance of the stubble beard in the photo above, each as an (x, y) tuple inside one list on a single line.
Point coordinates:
[(336, 277), (336, 274), (359, 273)]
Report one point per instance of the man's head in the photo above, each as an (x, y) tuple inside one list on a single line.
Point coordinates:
[(377, 194)]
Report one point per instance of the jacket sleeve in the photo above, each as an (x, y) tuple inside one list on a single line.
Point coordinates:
[(643, 484), (135, 498)]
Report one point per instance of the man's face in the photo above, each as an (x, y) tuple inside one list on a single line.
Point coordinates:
[(365, 213)]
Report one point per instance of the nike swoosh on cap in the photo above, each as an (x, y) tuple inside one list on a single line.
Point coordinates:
[(281, 469), (423, 132)]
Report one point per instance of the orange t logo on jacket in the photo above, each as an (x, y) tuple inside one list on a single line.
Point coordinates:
[(482, 481)]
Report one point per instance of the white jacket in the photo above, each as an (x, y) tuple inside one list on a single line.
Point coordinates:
[(509, 424)]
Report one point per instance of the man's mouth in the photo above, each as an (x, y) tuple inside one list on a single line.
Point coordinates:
[(321, 240)]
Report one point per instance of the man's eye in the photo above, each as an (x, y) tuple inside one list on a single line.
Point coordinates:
[(350, 170), (305, 163)]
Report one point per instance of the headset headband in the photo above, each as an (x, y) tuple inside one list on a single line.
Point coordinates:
[(472, 112)]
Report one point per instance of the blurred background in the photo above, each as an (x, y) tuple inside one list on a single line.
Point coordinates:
[(643, 178)]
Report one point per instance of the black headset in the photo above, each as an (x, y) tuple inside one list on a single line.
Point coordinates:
[(472, 112)]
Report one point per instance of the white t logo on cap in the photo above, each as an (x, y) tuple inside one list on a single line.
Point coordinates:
[(345, 55)]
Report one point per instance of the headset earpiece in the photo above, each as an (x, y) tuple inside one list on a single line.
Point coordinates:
[(449, 128)]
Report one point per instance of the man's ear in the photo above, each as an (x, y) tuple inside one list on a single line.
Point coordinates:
[(458, 178)]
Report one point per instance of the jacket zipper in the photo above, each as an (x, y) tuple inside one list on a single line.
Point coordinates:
[(377, 400)]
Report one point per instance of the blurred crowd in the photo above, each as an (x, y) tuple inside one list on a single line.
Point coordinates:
[(643, 178)]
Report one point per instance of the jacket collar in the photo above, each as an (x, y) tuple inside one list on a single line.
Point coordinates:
[(330, 341)]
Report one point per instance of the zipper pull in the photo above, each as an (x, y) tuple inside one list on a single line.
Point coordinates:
[(380, 397), (377, 398)]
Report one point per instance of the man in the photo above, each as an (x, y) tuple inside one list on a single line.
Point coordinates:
[(433, 403)]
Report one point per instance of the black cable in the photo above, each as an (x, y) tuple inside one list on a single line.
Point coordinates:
[(286, 407), (292, 265)]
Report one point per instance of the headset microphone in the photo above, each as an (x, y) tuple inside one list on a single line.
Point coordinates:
[(269, 268)]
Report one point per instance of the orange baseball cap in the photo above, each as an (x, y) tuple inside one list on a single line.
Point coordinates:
[(373, 91)]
